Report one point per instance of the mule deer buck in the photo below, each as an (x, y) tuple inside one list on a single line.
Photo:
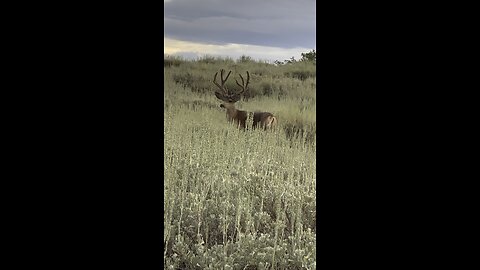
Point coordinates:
[(264, 119)]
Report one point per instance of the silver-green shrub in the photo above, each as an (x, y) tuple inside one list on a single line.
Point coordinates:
[(238, 199)]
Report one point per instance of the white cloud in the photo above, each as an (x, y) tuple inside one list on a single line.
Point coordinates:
[(194, 50)]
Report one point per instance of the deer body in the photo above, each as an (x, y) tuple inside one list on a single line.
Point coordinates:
[(239, 117), (264, 119)]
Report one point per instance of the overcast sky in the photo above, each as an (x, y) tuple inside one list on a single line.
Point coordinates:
[(263, 29)]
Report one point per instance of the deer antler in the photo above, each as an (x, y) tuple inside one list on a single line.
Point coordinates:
[(222, 87), (243, 85), (224, 94)]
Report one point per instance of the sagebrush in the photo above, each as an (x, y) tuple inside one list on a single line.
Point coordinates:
[(239, 199)]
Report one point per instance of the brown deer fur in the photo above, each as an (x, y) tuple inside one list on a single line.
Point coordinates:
[(264, 119)]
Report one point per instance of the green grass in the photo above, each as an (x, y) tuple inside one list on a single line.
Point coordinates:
[(238, 199)]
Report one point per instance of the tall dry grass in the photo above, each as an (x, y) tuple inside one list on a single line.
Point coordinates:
[(238, 199)]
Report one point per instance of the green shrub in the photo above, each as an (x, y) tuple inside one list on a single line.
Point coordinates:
[(300, 74), (245, 59), (267, 88), (207, 60), (169, 61)]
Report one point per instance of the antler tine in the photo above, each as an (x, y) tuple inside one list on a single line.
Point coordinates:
[(243, 85), (224, 80), (221, 87), (228, 75)]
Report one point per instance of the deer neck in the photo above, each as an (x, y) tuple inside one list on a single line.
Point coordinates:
[(231, 110)]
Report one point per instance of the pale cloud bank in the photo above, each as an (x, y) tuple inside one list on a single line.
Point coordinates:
[(192, 50)]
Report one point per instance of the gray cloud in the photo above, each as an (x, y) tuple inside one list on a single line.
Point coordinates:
[(275, 23)]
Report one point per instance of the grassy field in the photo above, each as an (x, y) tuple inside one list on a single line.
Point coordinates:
[(239, 199)]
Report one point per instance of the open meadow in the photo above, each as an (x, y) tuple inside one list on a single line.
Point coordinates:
[(239, 199)]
